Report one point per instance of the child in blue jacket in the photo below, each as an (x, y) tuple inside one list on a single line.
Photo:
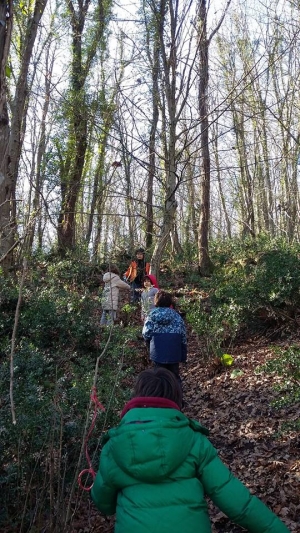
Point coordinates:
[(164, 331)]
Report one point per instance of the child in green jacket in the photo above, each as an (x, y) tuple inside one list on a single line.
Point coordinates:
[(157, 466)]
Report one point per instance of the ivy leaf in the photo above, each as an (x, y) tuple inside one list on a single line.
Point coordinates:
[(236, 373), (23, 8), (7, 71)]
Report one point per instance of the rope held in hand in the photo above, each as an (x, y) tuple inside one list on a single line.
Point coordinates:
[(90, 471)]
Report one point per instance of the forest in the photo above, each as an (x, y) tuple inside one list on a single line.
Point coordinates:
[(163, 122), (172, 126)]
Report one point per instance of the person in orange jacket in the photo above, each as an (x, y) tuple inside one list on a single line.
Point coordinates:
[(136, 272)]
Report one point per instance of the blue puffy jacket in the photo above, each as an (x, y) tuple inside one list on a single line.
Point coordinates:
[(165, 330)]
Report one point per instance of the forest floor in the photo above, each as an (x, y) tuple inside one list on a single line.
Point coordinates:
[(244, 427)]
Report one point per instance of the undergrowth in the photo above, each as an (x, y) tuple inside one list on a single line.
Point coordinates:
[(285, 363), (58, 344), (255, 286)]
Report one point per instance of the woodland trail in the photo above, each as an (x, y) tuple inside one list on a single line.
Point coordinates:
[(244, 427)]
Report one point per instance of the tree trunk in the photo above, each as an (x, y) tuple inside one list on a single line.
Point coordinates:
[(39, 174), (221, 193), (13, 138), (83, 53), (6, 197), (100, 183), (152, 141), (204, 262), (169, 66)]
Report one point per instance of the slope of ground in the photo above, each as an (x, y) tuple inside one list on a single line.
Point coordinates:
[(245, 429)]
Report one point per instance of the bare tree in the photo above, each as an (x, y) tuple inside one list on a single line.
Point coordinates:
[(176, 93), (13, 137), (204, 263)]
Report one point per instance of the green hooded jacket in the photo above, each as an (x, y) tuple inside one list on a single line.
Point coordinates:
[(155, 470)]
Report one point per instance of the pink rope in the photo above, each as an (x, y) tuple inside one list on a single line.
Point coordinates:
[(90, 471)]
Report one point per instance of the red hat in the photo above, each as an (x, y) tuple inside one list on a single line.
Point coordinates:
[(153, 280)]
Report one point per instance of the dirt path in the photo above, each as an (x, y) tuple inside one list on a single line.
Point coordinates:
[(244, 427)]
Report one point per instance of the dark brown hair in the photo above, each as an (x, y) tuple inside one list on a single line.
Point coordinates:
[(160, 383), (114, 269), (163, 299)]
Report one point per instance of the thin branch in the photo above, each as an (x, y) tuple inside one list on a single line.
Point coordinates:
[(13, 343), (213, 33), (10, 250)]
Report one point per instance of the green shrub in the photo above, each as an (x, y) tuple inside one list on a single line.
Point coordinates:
[(286, 363), (41, 452), (256, 283), (215, 327), (58, 342)]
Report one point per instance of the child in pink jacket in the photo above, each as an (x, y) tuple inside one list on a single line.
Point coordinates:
[(147, 296)]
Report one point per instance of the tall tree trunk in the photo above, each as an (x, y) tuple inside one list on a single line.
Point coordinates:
[(204, 262), (169, 66), (191, 219), (221, 193), (6, 194), (152, 140), (100, 179), (39, 174), (83, 53), (246, 205), (13, 138)]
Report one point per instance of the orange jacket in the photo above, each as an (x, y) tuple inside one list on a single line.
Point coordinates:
[(131, 272)]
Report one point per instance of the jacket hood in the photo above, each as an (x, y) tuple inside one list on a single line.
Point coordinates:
[(163, 315), (153, 280), (109, 276), (150, 443), (148, 401)]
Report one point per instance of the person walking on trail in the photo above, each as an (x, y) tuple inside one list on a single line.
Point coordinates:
[(165, 333), (157, 467), (147, 295), (110, 295), (135, 273)]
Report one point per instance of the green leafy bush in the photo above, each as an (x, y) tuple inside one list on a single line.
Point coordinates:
[(286, 363), (57, 345), (256, 283), (215, 327)]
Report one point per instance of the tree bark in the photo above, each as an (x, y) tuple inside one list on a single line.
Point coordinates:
[(154, 61), (6, 197), (169, 67), (39, 174), (72, 170), (12, 138), (205, 264)]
